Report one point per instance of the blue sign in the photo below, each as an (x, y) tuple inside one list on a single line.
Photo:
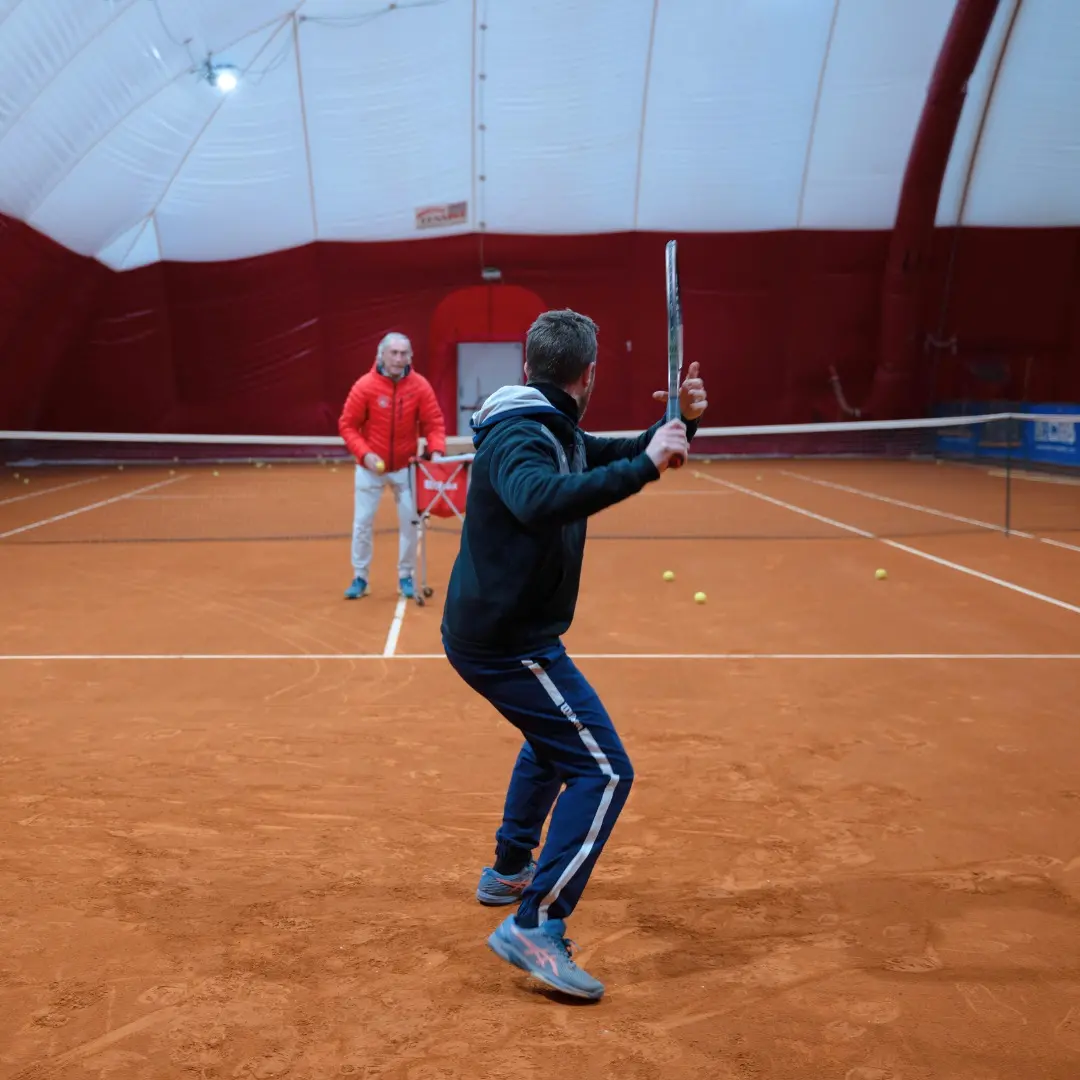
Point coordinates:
[(1038, 437), (1052, 441)]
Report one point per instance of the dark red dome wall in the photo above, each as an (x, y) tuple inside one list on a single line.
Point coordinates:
[(271, 345)]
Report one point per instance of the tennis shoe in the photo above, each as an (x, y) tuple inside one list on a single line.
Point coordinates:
[(498, 889), (406, 588), (544, 953), (357, 589)]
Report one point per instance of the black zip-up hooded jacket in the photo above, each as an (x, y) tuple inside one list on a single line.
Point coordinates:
[(536, 477)]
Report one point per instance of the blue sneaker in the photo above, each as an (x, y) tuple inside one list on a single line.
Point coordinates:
[(357, 589), (497, 889), (544, 953), (405, 587)]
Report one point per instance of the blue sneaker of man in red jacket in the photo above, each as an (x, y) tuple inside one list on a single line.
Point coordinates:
[(536, 477)]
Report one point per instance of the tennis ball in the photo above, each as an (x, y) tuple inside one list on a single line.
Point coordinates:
[(26, 479), (699, 598), (380, 468), (881, 575), (669, 575), (216, 472)]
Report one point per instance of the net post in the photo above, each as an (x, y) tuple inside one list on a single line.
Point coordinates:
[(1008, 478)]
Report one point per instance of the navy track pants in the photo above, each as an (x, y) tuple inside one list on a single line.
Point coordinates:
[(570, 746)]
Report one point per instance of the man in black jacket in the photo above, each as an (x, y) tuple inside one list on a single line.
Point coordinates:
[(536, 477)]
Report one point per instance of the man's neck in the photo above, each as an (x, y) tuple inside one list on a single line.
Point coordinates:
[(562, 399)]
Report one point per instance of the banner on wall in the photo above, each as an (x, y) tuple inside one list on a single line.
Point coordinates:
[(439, 217), (1048, 441), (1051, 441)]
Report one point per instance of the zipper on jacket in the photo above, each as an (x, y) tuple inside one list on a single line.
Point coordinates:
[(393, 418)]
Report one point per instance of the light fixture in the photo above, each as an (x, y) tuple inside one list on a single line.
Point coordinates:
[(223, 77), (226, 79)]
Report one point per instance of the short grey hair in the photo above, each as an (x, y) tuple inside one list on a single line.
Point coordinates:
[(559, 347), (392, 336)]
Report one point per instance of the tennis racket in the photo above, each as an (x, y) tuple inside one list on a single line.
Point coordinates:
[(675, 341)]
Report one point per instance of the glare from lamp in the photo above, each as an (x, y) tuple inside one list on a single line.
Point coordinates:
[(226, 80)]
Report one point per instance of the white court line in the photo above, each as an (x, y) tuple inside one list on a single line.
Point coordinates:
[(894, 544), (214, 496), (95, 657), (49, 491), (395, 627), (688, 491), (84, 509), (927, 510)]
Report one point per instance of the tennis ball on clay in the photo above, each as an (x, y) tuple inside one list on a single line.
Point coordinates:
[(120, 467), (669, 575), (881, 575), (760, 477), (26, 479), (216, 473), (699, 598)]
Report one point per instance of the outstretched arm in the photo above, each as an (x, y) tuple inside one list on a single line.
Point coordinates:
[(431, 421), (525, 474)]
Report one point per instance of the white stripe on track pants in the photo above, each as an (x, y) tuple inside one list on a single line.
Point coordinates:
[(368, 490)]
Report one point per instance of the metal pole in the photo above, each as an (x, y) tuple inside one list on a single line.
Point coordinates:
[(1008, 479)]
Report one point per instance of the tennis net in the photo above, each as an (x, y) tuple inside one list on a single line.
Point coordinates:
[(1017, 472)]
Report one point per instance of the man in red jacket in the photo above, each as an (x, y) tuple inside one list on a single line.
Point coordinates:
[(386, 411)]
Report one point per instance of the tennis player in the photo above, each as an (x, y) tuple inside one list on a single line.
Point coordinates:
[(387, 409), (536, 477)]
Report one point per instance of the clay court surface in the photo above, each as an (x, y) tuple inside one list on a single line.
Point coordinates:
[(237, 841)]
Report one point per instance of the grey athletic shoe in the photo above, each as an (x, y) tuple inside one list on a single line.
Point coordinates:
[(544, 953)]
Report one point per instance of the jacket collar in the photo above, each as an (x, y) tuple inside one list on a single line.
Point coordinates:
[(559, 398), (379, 370)]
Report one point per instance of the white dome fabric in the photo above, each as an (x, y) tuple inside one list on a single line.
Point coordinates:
[(352, 117)]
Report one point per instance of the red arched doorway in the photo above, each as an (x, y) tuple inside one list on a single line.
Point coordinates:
[(478, 313)]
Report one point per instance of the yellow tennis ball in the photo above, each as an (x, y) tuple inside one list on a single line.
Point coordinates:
[(216, 472), (380, 467), (881, 575), (699, 598), (669, 575)]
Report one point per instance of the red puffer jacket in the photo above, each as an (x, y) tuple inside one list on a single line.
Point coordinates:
[(386, 418)]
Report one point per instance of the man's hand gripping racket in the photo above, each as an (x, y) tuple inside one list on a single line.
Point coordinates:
[(669, 448)]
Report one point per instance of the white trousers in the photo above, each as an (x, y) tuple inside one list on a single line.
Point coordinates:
[(368, 491)]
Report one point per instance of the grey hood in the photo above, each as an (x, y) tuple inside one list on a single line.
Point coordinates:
[(506, 402)]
